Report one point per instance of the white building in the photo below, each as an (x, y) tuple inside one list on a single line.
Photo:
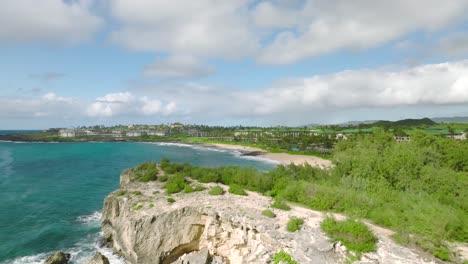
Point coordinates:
[(156, 133), (71, 133), (136, 134)]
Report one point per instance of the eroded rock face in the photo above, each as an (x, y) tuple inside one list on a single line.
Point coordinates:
[(145, 228), (98, 259)]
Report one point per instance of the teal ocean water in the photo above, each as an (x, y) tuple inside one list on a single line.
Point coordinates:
[(51, 193)]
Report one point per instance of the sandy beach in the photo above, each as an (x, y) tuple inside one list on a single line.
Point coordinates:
[(283, 158)]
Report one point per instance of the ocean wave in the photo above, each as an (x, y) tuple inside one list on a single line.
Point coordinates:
[(91, 219), (237, 153), (79, 254)]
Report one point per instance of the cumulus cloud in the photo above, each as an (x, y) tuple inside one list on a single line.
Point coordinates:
[(127, 104), (48, 20), (199, 28), (177, 67), (323, 26), (302, 100), (48, 105)]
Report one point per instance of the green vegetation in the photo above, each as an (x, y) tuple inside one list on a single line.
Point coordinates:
[(217, 190), (136, 192), (146, 172), (121, 192), (352, 234), (418, 188), (175, 184), (170, 200), (188, 189), (295, 224), (268, 213), (236, 189), (199, 188), (280, 204), (283, 257), (163, 178), (151, 205)]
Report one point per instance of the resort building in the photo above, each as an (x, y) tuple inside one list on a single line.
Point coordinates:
[(136, 133), (157, 133), (72, 133), (458, 136)]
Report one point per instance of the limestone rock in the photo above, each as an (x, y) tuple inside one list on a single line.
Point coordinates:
[(98, 259), (58, 258), (201, 228), (196, 257)]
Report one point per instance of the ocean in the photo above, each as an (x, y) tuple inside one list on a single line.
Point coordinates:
[(51, 193)]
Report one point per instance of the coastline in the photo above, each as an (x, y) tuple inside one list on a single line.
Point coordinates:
[(283, 158)]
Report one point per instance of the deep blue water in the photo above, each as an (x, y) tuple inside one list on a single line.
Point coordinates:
[(51, 193)]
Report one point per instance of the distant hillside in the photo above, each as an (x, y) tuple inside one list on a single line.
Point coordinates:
[(455, 119), (406, 122)]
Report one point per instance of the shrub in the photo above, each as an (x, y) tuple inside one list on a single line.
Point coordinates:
[(136, 193), (151, 205), (353, 234), (236, 189), (121, 192), (268, 213), (174, 184), (295, 224), (280, 204), (188, 189), (162, 178), (170, 200), (146, 172), (283, 257), (217, 190), (199, 188)]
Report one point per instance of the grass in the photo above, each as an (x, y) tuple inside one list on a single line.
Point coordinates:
[(121, 192), (237, 189), (162, 178), (217, 190), (354, 235), (188, 189), (280, 204), (268, 213), (199, 188), (283, 257), (170, 200), (151, 205), (295, 224), (136, 193)]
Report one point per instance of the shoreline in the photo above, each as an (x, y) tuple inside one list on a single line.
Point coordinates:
[(282, 158)]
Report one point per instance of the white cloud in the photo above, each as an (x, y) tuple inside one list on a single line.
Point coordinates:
[(453, 45), (177, 67), (126, 104), (197, 28), (316, 98), (324, 26), (47, 20)]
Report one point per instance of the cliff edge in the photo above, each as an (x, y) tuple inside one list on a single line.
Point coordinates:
[(141, 224)]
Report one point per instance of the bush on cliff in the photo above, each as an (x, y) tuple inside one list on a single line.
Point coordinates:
[(295, 224), (283, 257), (175, 184), (236, 189), (217, 190), (353, 234), (146, 172)]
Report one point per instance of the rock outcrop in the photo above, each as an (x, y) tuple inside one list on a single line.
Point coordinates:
[(98, 259), (58, 258), (140, 225)]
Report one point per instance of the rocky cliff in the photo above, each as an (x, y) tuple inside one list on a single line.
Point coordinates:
[(140, 224)]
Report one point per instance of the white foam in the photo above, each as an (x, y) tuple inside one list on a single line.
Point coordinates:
[(91, 219)]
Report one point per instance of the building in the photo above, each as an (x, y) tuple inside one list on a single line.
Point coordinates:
[(136, 133), (157, 133), (196, 133), (72, 133)]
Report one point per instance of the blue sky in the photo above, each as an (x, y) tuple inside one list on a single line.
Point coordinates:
[(275, 62)]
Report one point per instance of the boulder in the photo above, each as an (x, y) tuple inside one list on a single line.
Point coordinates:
[(58, 258), (98, 259)]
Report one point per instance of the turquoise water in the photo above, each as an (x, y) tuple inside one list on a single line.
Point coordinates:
[(51, 194)]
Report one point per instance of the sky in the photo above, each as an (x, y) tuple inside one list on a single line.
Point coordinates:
[(66, 63)]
